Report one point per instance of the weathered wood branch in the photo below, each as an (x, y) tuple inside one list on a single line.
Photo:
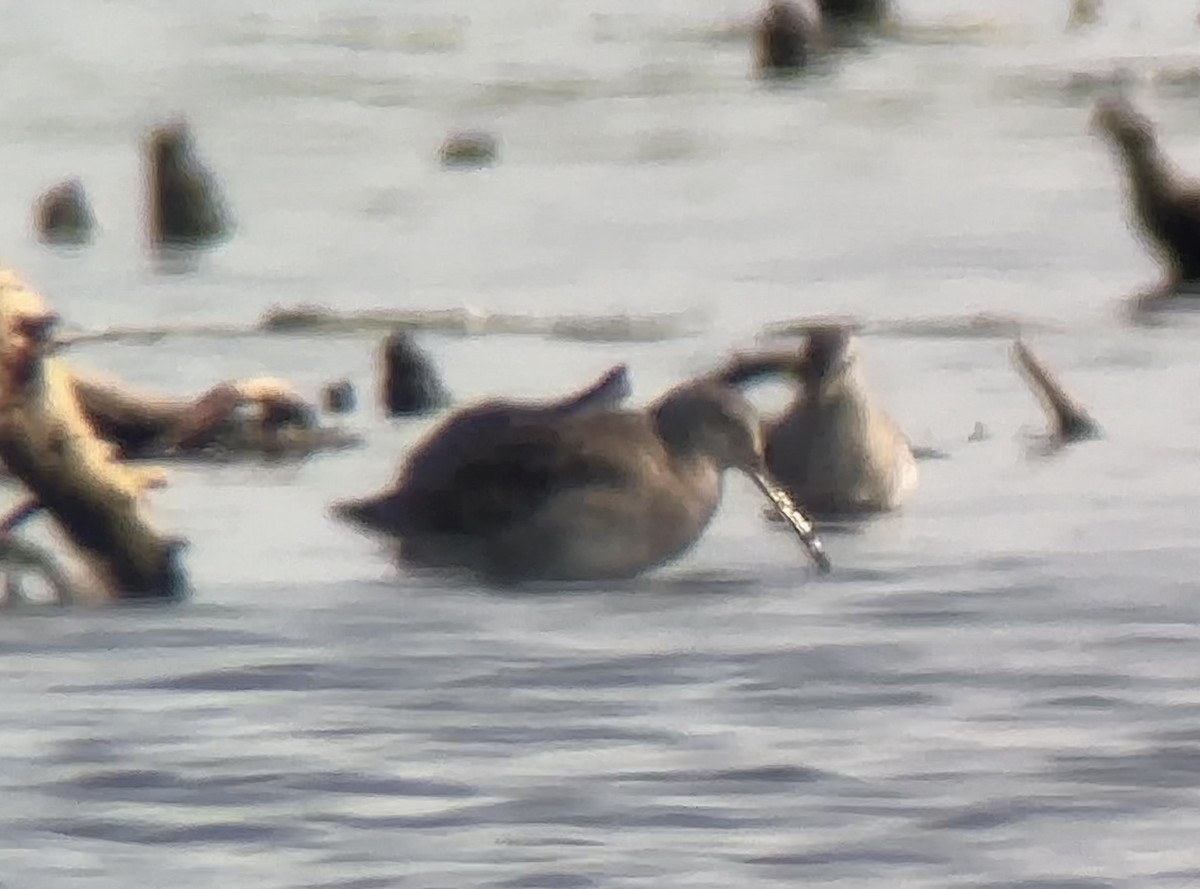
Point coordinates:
[(47, 442), (1068, 420), (259, 416)]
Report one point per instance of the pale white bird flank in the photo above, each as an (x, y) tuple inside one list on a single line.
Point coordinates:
[(834, 449)]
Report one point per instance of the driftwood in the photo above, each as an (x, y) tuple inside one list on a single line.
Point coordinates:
[(258, 418), (20, 558), (48, 444), (255, 417), (1068, 420)]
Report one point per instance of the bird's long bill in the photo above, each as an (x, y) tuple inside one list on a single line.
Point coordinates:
[(791, 514)]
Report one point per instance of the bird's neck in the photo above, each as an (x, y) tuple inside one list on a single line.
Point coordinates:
[(1152, 182), (836, 386)]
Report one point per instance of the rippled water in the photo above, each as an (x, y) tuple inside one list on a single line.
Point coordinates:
[(998, 687)]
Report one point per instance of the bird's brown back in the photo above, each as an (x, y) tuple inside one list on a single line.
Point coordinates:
[(506, 476)]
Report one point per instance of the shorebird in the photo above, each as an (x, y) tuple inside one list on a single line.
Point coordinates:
[(1166, 206), (834, 449), (569, 491)]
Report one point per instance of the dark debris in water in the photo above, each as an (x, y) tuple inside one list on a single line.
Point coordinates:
[(469, 149)]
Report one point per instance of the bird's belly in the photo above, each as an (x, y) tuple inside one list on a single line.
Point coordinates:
[(607, 534)]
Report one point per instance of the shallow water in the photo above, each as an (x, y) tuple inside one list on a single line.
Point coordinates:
[(995, 688)]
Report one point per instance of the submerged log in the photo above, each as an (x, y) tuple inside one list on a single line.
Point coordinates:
[(47, 442), (261, 417)]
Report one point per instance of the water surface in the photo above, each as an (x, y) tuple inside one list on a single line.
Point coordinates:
[(996, 687)]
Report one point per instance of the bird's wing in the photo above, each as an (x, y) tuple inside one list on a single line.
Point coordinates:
[(505, 477)]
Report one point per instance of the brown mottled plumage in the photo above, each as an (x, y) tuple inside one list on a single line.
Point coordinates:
[(587, 495)]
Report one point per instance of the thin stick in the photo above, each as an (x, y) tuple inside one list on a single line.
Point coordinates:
[(1070, 422), (20, 514)]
